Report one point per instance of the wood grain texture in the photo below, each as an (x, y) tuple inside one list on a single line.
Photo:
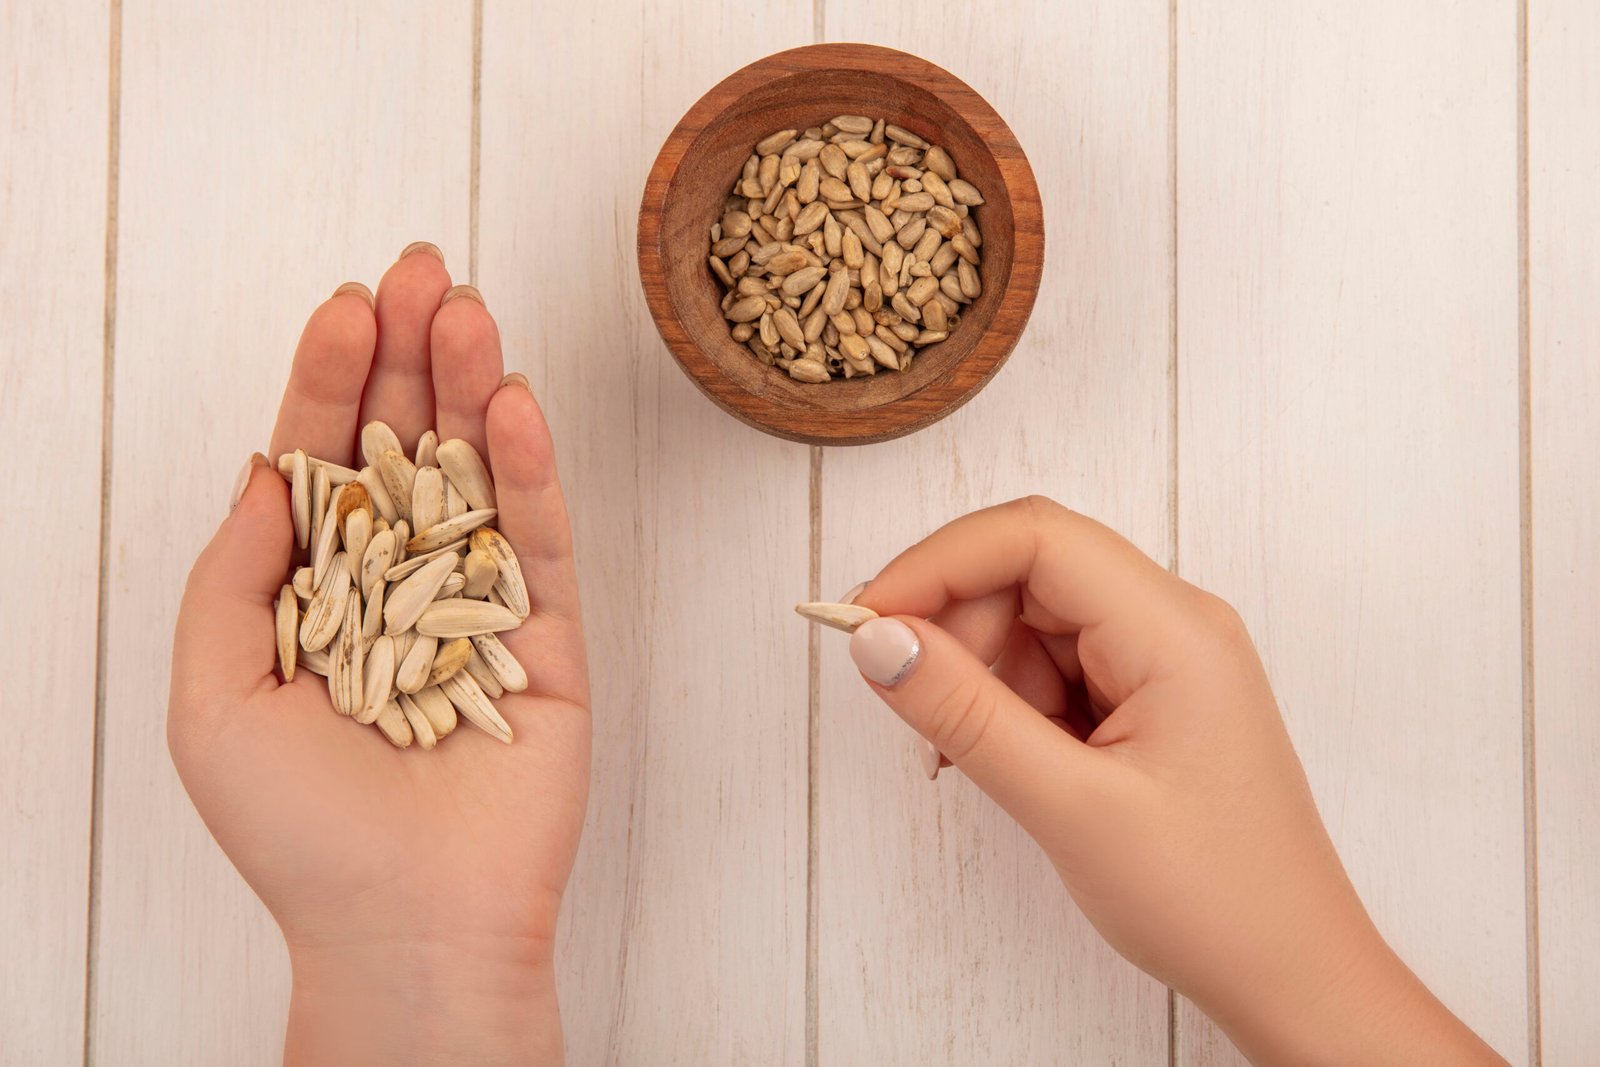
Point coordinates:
[(943, 934), (1348, 324), (683, 935), (269, 154), (1564, 363), (804, 87), (54, 104)]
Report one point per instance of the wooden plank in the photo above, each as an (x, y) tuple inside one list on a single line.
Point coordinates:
[(1347, 361), (684, 924), (54, 118), (943, 934), (1564, 278), (268, 155)]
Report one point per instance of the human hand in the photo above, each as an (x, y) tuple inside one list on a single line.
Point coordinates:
[(1127, 724), (417, 891)]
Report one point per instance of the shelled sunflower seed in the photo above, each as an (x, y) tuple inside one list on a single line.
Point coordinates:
[(846, 248), (402, 624)]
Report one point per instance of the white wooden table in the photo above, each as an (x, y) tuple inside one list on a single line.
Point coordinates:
[(1320, 327)]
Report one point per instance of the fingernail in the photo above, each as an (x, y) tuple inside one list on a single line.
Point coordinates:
[(355, 287), (517, 379), (930, 758), (885, 650), (463, 290), (256, 460), (423, 246), (855, 591)]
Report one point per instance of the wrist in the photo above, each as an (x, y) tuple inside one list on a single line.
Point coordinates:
[(480, 1000), (1352, 1001)]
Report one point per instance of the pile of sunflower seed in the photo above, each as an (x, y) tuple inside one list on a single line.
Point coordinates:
[(845, 248), (402, 625)]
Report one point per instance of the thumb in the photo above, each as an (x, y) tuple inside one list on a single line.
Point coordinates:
[(1024, 761), (225, 643)]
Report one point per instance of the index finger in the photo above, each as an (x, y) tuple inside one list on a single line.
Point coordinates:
[(1081, 577)]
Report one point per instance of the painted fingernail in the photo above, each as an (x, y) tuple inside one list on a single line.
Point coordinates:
[(256, 460), (855, 591), (457, 291), (930, 758), (355, 287), (423, 246), (516, 379), (886, 650)]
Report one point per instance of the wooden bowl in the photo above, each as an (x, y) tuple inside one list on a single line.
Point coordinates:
[(805, 87)]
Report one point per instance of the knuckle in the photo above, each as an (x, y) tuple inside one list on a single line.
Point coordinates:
[(962, 716), (1037, 507), (1219, 622)]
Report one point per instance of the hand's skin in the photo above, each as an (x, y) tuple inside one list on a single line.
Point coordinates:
[(417, 891), (1128, 725)]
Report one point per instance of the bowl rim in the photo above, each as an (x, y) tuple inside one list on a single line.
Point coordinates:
[(941, 395)]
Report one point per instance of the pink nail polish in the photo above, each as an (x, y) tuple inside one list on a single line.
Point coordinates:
[(855, 591), (239, 483), (885, 650)]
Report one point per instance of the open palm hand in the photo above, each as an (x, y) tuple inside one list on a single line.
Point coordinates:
[(362, 851)]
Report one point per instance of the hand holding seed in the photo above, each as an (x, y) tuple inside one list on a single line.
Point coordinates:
[(414, 565), (1122, 717)]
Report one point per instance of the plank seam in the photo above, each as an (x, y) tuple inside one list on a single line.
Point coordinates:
[(813, 747), (1172, 378), (103, 587), (476, 164), (1530, 799)]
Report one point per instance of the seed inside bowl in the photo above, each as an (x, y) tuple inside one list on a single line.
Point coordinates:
[(846, 248)]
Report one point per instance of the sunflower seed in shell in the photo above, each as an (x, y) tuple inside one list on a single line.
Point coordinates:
[(421, 728), (480, 573), (357, 534), (465, 618), (449, 657), (377, 496), (467, 472), (315, 662), (327, 542), (402, 534), (408, 599), (376, 439), (511, 587), (398, 474), (302, 584), (427, 498), (392, 722), (337, 475), (326, 610), (474, 706), (300, 498), (507, 671), (372, 616), (846, 617), (450, 530), (480, 673), (288, 626), (452, 586), (427, 448), (321, 492), (411, 565), (441, 714), (377, 677), (345, 661), (412, 674), (377, 560)]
